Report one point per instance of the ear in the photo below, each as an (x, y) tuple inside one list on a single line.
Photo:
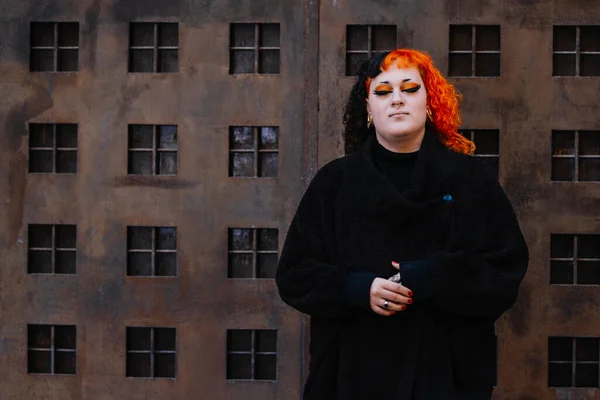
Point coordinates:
[(368, 106)]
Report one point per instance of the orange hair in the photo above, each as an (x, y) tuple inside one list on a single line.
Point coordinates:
[(442, 97)]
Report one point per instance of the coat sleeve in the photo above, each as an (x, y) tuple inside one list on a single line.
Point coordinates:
[(479, 272), (307, 276)]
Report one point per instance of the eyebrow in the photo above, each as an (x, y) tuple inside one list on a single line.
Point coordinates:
[(403, 80)]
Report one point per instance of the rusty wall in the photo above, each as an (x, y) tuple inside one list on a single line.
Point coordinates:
[(305, 100), (102, 199)]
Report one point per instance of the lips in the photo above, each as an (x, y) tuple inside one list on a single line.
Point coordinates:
[(398, 113)]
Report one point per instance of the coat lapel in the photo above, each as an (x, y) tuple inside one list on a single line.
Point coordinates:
[(431, 179), (378, 220)]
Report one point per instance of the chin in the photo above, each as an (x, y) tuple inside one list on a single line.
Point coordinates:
[(401, 133)]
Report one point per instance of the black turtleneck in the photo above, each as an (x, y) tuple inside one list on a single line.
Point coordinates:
[(397, 167)]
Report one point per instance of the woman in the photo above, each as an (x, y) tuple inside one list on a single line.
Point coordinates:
[(406, 198)]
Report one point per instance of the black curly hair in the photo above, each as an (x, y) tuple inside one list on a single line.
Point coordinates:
[(355, 114)]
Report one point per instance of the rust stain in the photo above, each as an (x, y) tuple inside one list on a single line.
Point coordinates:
[(523, 192), (90, 30), (129, 96), (126, 10), (519, 315), (573, 303), (100, 302), (37, 101), (153, 181)]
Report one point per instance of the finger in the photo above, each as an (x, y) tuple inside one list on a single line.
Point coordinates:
[(396, 293), (394, 297), (392, 305), (383, 312), (396, 287), (396, 265)]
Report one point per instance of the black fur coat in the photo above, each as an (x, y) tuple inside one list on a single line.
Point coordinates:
[(461, 252)]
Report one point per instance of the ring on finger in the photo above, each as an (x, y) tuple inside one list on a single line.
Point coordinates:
[(385, 304)]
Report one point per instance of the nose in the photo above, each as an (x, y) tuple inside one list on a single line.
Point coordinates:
[(397, 98)]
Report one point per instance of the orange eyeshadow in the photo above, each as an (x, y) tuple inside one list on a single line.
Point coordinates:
[(384, 88), (409, 85)]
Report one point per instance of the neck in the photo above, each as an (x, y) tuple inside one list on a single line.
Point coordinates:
[(408, 143)]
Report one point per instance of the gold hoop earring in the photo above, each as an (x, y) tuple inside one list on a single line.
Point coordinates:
[(429, 114), (369, 121)]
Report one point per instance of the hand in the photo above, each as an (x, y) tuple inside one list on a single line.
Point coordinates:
[(396, 295)]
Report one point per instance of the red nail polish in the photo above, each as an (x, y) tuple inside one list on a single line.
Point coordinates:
[(410, 293), (403, 308), (409, 301)]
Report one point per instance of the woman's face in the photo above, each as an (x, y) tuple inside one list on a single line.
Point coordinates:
[(397, 101)]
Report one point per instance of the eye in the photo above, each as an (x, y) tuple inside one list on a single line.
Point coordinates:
[(381, 92), (412, 89)]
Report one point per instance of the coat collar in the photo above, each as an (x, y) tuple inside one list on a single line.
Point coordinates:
[(431, 179)]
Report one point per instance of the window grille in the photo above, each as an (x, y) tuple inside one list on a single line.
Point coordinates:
[(254, 48), (151, 251), (576, 156), (362, 41), (576, 51), (54, 46), (573, 361), (152, 150), (52, 349), (52, 249), (252, 253), (254, 151), (252, 354), (474, 50), (574, 259), (487, 146), (151, 352), (154, 47), (53, 148)]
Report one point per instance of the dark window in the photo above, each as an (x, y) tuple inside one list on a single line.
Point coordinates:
[(151, 251), (474, 50), (252, 354), (51, 349), (151, 352), (574, 259), (52, 249), (362, 41), (53, 148), (254, 49), (252, 253), (254, 151), (152, 150), (153, 47), (573, 361), (54, 46), (487, 146), (576, 156), (576, 51)]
